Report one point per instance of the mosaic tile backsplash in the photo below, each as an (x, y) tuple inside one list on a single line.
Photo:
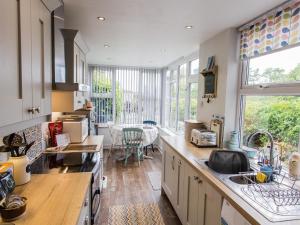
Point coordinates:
[(33, 133)]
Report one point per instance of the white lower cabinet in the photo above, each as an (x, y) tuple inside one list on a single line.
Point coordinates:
[(195, 201), (173, 180), (84, 217)]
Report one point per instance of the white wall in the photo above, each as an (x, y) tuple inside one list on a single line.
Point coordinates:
[(224, 46)]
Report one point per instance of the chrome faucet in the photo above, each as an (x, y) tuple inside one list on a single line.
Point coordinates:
[(269, 135)]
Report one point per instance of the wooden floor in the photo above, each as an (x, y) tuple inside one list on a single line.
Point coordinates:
[(130, 185)]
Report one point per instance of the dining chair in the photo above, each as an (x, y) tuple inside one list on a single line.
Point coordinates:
[(110, 125), (151, 123), (133, 139)]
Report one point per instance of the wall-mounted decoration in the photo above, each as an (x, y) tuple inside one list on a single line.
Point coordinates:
[(210, 79)]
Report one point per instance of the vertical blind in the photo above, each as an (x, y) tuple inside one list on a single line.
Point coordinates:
[(276, 30), (125, 94)]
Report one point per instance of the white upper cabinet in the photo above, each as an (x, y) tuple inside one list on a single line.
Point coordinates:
[(25, 60), (10, 73), (41, 58)]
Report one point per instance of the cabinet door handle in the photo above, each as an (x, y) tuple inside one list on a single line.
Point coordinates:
[(173, 161), (86, 220), (86, 202), (38, 109), (179, 162), (31, 110), (200, 181), (196, 178)]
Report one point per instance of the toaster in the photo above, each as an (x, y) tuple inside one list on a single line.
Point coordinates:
[(204, 138)]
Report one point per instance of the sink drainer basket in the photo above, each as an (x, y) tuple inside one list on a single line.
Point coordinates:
[(277, 196)]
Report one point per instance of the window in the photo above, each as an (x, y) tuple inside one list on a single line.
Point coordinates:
[(195, 67), (126, 95), (173, 100), (193, 99), (279, 67), (270, 97), (102, 94), (181, 95)]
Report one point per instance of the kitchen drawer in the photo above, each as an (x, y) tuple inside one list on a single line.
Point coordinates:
[(84, 217)]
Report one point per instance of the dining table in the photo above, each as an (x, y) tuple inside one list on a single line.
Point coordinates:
[(150, 134)]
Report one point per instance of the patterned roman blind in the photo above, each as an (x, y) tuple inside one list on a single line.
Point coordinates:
[(276, 30)]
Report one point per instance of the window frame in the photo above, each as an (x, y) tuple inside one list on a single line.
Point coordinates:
[(114, 74), (265, 89), (190, 79)]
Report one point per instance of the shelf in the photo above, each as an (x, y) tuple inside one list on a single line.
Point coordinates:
[(214, 71)]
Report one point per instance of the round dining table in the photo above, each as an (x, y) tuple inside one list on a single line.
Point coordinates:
[(150, 133)]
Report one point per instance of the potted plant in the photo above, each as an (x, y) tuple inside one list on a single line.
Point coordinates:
[(18, 156)]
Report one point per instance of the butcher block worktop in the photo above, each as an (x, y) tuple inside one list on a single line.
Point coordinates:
[(190, 153), (54, 199)]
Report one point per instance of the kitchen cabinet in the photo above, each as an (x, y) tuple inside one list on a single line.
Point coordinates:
[(41, 58), (195, 201), (213, 206), (173, 180), (85, 212), (11, 72), (25, 60), (194, 192)]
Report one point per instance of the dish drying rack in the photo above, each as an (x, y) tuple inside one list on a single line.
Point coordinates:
[(278, 196)]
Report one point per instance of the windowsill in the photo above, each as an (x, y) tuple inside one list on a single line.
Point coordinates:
[(169, 132)]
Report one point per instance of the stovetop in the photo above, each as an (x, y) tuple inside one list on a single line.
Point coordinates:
[(54, 163)]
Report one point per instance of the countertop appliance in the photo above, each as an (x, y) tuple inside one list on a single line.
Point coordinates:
[(54, 163), (76, 126), (204, 138)]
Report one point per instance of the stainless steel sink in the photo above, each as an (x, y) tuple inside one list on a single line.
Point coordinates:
[(275, 200), (243, 179)]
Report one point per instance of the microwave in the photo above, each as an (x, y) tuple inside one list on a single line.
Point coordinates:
[(77, 129)]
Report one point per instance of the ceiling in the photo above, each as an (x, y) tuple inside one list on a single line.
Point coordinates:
[(152, 33)]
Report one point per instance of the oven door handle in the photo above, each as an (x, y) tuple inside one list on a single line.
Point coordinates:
[(97, 192)]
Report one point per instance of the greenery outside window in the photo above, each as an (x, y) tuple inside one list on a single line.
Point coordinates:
[(270, 100), (181, 94)]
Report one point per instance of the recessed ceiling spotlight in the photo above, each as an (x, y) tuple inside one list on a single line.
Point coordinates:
[(189, 27), (106, 46), (101, 18)]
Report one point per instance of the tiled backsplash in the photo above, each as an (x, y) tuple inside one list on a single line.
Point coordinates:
[(33, 133)]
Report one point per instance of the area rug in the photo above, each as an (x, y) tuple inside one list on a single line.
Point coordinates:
[(135, 214), (155, 180)]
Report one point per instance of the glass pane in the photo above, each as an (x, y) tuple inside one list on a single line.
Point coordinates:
[(181, 99), (278, 67), (280, 115), (102, 97), (193, 100), (127, 95), (173, 100), (195, 67)]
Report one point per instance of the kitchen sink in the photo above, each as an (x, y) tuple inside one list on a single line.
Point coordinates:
[(206, 163), (243, 179)]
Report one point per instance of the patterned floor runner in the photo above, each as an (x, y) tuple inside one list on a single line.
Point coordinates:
[(137, 214)]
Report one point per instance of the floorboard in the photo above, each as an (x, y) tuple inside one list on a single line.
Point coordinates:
[(130, 185)]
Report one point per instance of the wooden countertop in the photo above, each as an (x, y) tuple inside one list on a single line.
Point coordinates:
[(54, 199), (189, 152)]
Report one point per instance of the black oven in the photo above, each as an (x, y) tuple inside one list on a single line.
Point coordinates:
[(93, 162)]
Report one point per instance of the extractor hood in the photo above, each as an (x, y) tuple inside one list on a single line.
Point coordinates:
[(65, 64)]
